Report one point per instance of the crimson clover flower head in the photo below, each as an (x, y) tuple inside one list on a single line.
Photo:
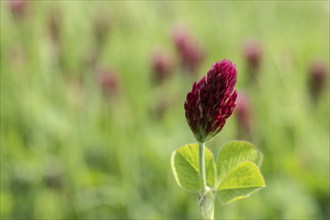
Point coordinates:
[(211, 101)]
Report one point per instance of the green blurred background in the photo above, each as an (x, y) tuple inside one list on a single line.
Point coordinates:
[(70, 150)]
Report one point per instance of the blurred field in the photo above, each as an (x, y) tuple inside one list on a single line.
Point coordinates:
[(69, 150)]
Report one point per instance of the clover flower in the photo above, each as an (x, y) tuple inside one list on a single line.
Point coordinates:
[(188, 49), (211, 101), (109, 81), (253, 56), (18, 7), (161, 67), (243, 113), (317, 78)]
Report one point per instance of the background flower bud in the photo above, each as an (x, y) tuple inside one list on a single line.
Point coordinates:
[(109, 81), (161, 67), (211, 101), (253, 56), (18, 7), (317, 78), (243, 113), (188, 49)]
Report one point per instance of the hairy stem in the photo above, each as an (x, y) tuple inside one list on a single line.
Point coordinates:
[(206, 196), (201, 162)]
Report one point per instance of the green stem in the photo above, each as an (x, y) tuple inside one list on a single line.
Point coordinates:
[(206, 199), (201, 162)]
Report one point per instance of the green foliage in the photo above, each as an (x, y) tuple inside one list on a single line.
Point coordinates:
[(233, 153), (238, 175), (186, 170), (240, 182)]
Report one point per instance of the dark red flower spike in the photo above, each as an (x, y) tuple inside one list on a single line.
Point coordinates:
[(211, 101)]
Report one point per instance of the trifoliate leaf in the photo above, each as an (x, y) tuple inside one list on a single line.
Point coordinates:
[(185, 167), (233, 153), (240, 182)]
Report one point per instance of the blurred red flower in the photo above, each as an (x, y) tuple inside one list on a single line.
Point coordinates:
[(18, 7), (317, 78), (109, 81), (189, 50), (243, 113), (161, 67), (253, 56)]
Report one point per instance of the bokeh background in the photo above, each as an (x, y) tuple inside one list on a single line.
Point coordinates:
[(92, 99)]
